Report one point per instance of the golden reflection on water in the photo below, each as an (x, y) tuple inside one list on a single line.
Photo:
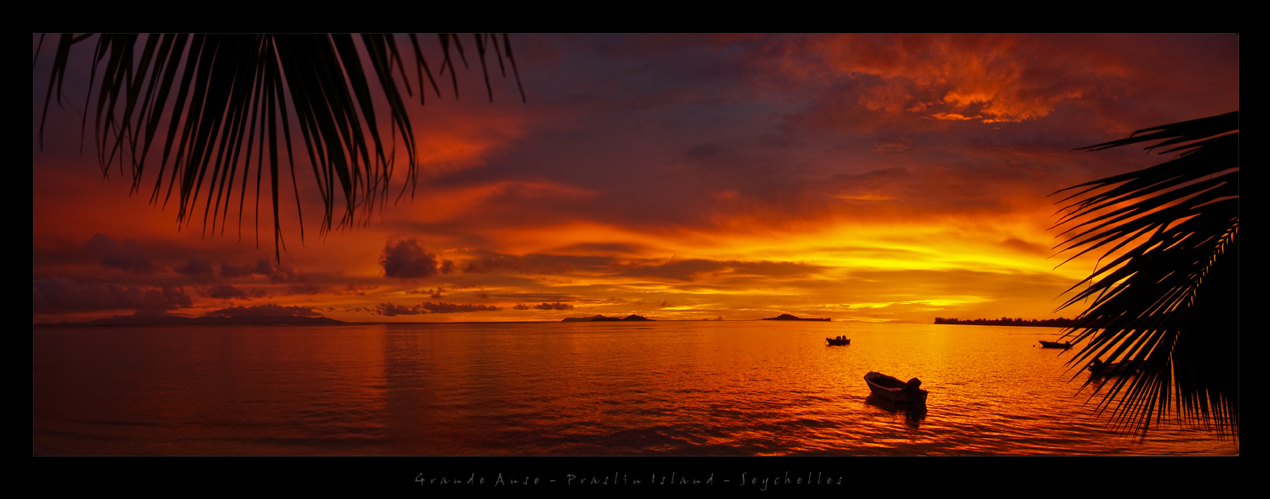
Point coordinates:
[(661, 388)]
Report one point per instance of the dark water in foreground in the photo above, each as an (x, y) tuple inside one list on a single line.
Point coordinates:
[(566, 389)]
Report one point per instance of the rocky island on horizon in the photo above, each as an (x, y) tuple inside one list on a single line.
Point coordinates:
[(254, 315), (788, 317), (602, 318), (176, 320)]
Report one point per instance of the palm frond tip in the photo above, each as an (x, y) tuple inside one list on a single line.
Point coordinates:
[(1167, 295), (216, 102)]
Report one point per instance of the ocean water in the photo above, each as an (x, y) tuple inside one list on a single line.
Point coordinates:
[(730, 388)]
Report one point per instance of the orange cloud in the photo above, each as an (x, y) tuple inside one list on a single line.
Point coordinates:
[(989, 78), (463, 142), (443, 204)]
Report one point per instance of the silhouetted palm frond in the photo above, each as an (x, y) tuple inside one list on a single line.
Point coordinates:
[(1166, 293), (219, 102)]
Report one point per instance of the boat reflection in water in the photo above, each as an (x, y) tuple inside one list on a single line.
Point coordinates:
[(914, 412)]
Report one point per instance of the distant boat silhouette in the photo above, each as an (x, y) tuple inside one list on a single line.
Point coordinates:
[(843, 341), (1055, 344), (1100, 369)]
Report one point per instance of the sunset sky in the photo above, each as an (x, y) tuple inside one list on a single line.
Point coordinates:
[(878, 178)]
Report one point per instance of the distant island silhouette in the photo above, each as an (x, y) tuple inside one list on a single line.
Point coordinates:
[(787, 317), (175, 320), (602, 318), (1006, 321)]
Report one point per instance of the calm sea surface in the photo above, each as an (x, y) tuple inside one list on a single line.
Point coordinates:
[(567, 389)]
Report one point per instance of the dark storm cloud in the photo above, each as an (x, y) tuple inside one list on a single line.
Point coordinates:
[(405, 259), (60, 294), (126, 256)]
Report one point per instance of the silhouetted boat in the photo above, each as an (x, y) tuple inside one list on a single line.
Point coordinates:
[(1099, 369), (844, 341), (1055, 344), (891, 388)]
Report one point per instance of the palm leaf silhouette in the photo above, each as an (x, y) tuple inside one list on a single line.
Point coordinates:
[(219, 103), (1166, 291)]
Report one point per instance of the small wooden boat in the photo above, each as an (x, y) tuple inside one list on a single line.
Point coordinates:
[(837, 341), (891, 388), (1055, 344), (1100, 369)]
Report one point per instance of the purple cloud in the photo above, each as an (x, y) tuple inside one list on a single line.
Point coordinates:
[(126, 256), (544, 306), (405, 259), (262, 267), (449, 308), (226, 291), (60, 294), (269, 310), (197, 268), (391, 310)]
